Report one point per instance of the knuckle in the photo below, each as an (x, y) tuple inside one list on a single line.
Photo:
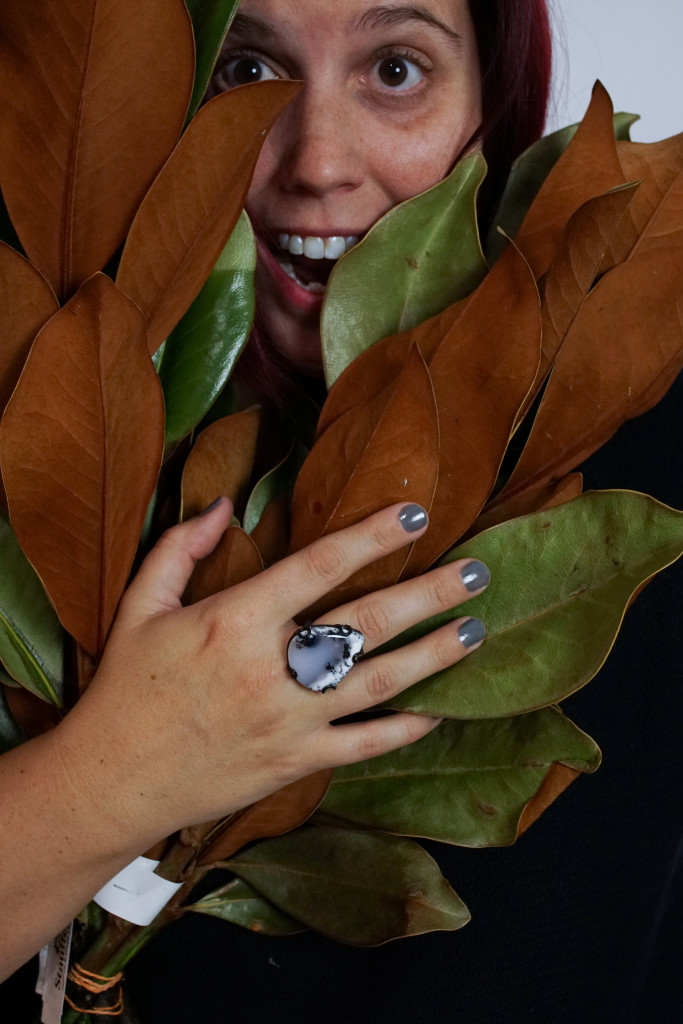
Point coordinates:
[(370, 745), (445, 591), (414, 728), (373, 621), (446, 649), (324, 563), (382, 535), (380, 683)]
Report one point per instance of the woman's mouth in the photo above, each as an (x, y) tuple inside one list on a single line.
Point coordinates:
[(309, 259)]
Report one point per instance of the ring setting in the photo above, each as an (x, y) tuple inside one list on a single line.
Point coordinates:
[(319, 657)]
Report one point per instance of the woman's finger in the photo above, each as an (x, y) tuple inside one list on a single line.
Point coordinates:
[(375, 680), (387, 613), (165, 572), (351, 744), (303, 578)]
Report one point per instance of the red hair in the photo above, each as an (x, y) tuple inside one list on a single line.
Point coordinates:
[(515, 57)]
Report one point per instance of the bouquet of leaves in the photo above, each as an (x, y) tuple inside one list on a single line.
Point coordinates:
[(126, 298)]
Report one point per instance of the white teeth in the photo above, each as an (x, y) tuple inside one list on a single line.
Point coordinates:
[(335, 247), (315, 247), (313, 286)]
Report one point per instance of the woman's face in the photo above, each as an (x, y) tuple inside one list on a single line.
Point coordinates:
[(392, 94)]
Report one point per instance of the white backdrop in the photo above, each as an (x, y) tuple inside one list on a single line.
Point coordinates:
[(634, 47)]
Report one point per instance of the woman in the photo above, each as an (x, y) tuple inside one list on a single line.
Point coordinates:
[(394, 93)]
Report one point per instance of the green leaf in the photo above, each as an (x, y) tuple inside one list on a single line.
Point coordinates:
[(465, 783), (11, 734), (561, 582), (31, 638), (239, 903), (211, 20), (418, 259), (356, 887), (622, 126), (528, 173), (202, 350), (280, 480)]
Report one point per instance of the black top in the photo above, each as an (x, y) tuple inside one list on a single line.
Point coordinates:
[(581, 922)]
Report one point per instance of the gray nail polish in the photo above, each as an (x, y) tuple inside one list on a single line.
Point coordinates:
[(475, 575), (471, 632), (412, 518), (211, 507)]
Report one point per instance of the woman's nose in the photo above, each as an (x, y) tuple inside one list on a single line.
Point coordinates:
[(323, 146)]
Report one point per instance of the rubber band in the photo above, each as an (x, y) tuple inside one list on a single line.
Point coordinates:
[(96, 984)]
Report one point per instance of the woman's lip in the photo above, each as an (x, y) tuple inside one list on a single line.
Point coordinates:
[(299, 298)]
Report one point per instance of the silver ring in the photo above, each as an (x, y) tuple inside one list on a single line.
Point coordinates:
[(319, 657)]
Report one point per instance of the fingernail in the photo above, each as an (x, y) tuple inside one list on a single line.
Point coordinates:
[(412, 518), (211, 507), (475, 575), (471, 632)]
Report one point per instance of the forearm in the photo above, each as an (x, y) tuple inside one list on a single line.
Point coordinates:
[(56, 850)]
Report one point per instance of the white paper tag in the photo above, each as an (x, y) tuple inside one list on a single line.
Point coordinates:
[(136, 894), (42, 968), (54, 967)]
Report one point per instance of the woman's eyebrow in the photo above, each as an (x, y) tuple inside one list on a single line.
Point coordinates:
[(394, 14), (246, 24)]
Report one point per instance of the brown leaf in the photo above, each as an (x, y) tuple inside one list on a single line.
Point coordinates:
[(221, 463), (234, 560), (94, 95), (655, 217), (574, 269), (482, 371), (189, 212), (622, 353), (35, 716), (386, 451), (273, 816), (587, 168), (26, 302), (80, 446), (271, 533), (556, 781), (534, 500)]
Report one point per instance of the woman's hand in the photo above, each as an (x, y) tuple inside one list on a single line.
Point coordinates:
[(194, 710)]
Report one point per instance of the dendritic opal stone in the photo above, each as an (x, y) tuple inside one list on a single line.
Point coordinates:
[(320, 656)]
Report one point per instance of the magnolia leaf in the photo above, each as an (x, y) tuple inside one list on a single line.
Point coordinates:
[(211, 20), (7, 233), (80, 449), (561, 581), (234, 560), (386, 451), (221, 462), (355, 887), (420, 257), (200, 353), (533, 500), (620, 356), (31, 639), (276, 814), (655, 218), (11, 734), (574, 268), (529, 172), (554, 784), (271, 533), (93, 134), (190, 211), (238, 903), (465, 783), (279, 481), (26, 303), (588, 167), (497, 339)]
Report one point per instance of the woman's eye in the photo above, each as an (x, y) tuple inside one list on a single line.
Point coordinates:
[(399, 73), (242, 70)]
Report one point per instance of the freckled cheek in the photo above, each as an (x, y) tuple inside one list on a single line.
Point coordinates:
[(412, 165)]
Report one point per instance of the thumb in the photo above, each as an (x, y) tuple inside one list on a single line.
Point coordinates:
[(165, 572)]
